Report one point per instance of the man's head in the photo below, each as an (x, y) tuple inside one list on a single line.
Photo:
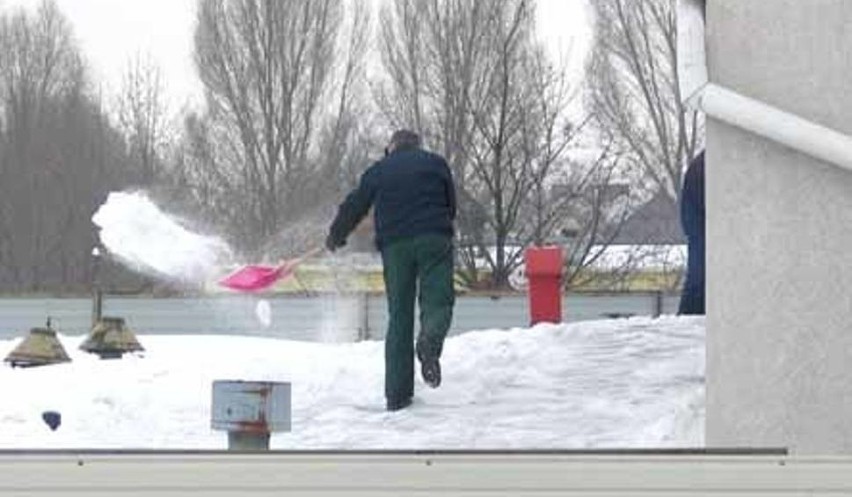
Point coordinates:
[(403, 138)]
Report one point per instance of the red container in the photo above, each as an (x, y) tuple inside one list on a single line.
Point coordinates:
[(544, 272)]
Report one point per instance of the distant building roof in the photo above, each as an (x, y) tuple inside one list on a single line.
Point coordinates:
[(656, 222)]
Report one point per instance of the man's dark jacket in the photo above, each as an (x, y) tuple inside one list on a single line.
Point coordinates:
[(413, 193)]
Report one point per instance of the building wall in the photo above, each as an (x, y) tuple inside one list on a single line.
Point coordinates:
[(779, 340)]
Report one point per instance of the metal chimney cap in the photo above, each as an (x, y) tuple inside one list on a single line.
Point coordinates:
[(43, 331), (112, 320)]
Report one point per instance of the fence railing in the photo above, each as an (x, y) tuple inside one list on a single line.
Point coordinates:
[(327, 317)]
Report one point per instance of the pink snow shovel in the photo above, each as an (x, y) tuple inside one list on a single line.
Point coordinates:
[(257, 277)]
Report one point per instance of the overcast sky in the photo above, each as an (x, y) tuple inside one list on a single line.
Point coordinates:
[(110, 32)]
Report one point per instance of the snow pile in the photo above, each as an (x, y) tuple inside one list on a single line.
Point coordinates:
[(150, 241), (628, 383)]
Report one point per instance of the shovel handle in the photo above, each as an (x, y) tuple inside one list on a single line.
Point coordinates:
[(298, 260)]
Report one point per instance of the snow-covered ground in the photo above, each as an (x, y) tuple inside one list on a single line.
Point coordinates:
[(631, 383)]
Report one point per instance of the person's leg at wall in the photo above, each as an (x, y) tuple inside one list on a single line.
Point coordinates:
[(692, 298), (437, 297), (401, 286), (692, 212)]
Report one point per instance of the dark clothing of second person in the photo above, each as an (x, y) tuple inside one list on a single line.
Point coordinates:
[(692, 218), (413, 193)]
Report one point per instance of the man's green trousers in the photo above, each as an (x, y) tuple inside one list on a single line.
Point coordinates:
[(423, 263)]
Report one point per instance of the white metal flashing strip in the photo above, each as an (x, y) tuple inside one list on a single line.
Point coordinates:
[(225, 474)]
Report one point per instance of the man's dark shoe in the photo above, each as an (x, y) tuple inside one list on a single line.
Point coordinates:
[(430, 368), (397, 404)]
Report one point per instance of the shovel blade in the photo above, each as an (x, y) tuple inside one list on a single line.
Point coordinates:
[(253, 278)]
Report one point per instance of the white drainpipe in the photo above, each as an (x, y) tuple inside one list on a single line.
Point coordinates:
[(770, 122)]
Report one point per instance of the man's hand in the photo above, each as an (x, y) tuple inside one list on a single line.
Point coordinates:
[(333, 244)]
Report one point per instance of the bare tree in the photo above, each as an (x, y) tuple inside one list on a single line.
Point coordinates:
[(633, 90), (268, 68), (39, 67), (58, 153), (349, 132), (403, 53), (433, 54), (347, 140), (142, 115), (471, 76), (599, 208)]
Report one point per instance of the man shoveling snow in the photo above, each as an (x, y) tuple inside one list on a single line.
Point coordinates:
[(413, 193)]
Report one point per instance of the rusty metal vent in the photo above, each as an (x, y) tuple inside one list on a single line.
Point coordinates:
[(110, 338), (40, 348)]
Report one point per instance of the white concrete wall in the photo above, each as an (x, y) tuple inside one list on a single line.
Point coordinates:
[(779, 230)]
